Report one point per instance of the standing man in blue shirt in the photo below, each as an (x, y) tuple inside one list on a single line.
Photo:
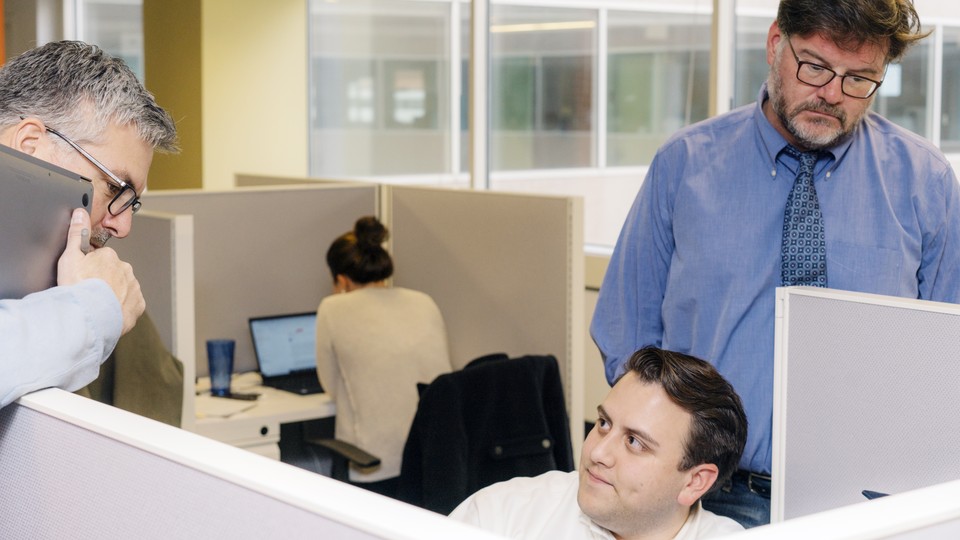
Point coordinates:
[(706, 242)]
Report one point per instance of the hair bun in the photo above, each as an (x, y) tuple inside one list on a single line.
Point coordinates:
[(370, 232)]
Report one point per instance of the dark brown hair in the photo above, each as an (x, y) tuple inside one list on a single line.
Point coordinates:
[(718, 429), (893, 24), (359, 254)]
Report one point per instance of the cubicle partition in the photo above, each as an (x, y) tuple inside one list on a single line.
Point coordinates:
[(160, 249), (930, 513), (75, 468), (261, 180), (261, 251), (506, 270), (865, 398)]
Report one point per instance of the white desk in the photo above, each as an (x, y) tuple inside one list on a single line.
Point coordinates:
[(255, 425)]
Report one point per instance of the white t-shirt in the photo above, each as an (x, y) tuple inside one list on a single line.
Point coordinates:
[(545, 507)]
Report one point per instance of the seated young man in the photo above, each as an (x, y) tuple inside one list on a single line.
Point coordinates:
[(670, 430)]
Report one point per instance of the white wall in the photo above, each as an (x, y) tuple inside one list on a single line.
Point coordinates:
[(254, 58)]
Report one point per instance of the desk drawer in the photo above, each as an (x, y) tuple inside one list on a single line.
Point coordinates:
[(240, 432)]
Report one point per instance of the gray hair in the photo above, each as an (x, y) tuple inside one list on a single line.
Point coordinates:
[(79, 89)]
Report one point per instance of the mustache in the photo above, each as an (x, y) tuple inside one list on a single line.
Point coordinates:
[(100, 238), (823, 108)]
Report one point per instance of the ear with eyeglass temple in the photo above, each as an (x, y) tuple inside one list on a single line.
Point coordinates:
[(126, 196)]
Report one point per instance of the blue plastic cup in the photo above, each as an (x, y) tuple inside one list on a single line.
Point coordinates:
[(220, 358)]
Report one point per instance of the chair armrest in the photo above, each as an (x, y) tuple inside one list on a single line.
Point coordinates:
[(354, 454)]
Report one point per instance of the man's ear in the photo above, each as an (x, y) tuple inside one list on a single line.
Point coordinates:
[(699, 480), (773, 39), (27, 136)]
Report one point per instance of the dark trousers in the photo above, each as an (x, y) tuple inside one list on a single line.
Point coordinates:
[(745, 499)]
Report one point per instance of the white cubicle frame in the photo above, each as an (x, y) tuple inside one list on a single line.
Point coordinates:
[(931, 513), (68, 463), (142, 479), (859, 384)]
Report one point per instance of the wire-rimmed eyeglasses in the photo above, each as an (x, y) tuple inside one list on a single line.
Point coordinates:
[(125, 196), (855, 86)]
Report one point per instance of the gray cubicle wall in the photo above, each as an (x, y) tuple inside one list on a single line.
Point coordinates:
[(261, 251), (506, 270), (865, 398), (75, 468), (160, 249), (931, 513)]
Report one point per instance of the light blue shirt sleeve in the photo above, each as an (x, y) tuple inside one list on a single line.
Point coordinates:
[(57, 338), (939, 274), (628, 312)]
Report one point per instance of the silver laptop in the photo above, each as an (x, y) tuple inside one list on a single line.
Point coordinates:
[(286, 351), (36, 201)]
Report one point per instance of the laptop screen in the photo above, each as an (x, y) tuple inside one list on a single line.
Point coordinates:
[(285, 343)]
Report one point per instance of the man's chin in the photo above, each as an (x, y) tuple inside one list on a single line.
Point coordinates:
[(817, 137)]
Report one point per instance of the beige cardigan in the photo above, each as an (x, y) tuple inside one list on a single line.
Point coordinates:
[(373, 346)]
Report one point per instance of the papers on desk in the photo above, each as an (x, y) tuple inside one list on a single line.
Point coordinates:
[(213, 407)]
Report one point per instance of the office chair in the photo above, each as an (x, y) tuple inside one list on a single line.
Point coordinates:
[(496, 419), (344, 455)]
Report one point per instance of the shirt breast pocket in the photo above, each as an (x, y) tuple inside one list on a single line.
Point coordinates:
[(869, 269)]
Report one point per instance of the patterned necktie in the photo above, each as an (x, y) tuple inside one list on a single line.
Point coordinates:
[(803, 254)]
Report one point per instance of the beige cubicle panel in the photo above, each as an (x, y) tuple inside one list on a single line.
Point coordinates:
[(506, 270), (160, 249), (262, 180), (261, 251)]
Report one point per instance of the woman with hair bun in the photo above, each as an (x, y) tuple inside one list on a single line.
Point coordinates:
[(374, 344)]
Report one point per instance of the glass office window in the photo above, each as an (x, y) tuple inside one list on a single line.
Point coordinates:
[(658, 80), (114, 25), (950, 93), (541, 87), (751, 56), (379, 88), (465, 41), (903, 96)]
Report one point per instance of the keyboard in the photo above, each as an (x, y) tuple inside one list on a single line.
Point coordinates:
[(302, 383)]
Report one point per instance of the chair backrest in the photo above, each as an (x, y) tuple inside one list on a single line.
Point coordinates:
[(496, 419), (141, 376)]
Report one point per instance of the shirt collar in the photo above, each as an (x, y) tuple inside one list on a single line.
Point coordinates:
[(690, 526), (774, 143)]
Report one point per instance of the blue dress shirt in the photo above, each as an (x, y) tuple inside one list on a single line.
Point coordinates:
[(698, 259)]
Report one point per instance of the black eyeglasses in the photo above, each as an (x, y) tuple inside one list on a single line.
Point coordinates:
[(125, 197), (855, 86)]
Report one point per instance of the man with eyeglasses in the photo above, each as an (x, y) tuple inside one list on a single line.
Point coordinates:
[(72, 105), (806, 186)]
